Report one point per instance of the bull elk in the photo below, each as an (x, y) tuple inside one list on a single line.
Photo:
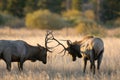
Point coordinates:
[(20, 51), (90, 48)]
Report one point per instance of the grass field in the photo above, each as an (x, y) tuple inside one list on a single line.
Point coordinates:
[(60, 67)]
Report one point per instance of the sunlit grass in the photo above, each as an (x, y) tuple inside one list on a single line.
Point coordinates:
[(60, 67)]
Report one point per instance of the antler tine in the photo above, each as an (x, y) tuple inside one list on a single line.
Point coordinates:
[(48, 33), (49, 50), (46, 40), (62, 51), (62, 40), (53, 38), (58, 42)]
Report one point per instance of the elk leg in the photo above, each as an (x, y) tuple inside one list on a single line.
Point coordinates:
[(92, 64), (8, 65), (92, 60), (85, 63), (21, 64), (91, 67), (7, 58), (99, 60), (73, 57), (8, 62)]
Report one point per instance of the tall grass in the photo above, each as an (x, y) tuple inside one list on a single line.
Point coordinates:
[(60, 67)]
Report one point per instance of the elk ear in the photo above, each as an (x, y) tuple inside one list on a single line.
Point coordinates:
[(39, 46), (69, 42)]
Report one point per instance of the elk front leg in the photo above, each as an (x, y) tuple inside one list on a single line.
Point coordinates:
[(92, 65), (92, 60), (85, 63)]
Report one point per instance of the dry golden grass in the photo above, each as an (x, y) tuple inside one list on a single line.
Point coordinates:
[(58, 67)]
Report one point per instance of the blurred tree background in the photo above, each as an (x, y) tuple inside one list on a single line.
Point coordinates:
[(57, 14)]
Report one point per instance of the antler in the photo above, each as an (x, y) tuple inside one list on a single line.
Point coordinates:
[(53, 38), (47, 39)]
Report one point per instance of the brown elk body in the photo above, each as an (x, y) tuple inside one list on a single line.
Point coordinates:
[(90, 48)]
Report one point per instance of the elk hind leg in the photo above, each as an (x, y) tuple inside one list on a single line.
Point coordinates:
[(7, 60), (99, 60), (21, 64), (8, 65), (92, 61)]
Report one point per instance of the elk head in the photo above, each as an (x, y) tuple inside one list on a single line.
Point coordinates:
[(73, 48), (43, 50)]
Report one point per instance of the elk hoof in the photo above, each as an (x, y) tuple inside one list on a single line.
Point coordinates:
[(74, 59), (44, 62)]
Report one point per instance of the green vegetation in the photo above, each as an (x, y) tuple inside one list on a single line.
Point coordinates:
[(104, 10), (84, 15), (109, 10), (90, 28), (1, 20), (72, 16), (44, 19), (77, 4), (12, 21)]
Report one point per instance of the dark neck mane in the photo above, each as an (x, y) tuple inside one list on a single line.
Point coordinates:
[(33, 53)]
